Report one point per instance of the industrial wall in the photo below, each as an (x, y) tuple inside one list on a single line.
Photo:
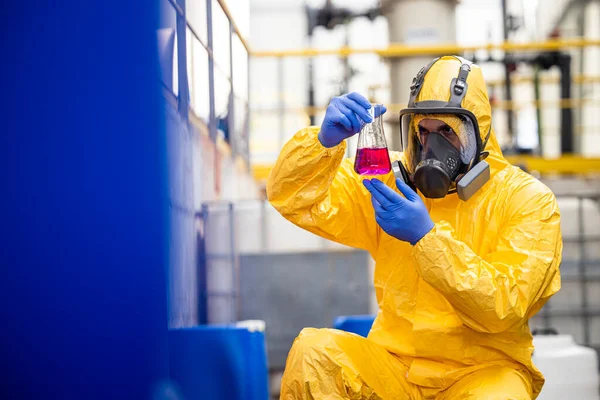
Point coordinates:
[(261, 266), (201, 169), (198, 172), (280, 86), (183, 303)]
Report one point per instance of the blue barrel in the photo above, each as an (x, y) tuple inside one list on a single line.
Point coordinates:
[(219, 362), (359, 324)]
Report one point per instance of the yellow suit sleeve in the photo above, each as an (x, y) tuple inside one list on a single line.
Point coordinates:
[(316, 189), (495, 293)]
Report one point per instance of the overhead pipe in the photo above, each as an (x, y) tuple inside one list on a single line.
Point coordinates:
[(507, 69)]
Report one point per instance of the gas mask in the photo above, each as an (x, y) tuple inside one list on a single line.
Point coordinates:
[(437, 168)]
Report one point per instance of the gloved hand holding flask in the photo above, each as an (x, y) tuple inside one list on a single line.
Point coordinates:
[(345, 116), (372, 157)]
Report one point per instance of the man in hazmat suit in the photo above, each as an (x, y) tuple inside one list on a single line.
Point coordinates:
[(467, 249)]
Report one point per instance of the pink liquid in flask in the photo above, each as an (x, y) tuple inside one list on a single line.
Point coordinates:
[(372, 161)]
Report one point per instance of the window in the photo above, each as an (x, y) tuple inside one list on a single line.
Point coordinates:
[(221, 38), (198, 78), (196, 18), (240, 68)]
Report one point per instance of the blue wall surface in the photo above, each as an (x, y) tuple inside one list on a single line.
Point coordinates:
[(83, 201), (183, 242)]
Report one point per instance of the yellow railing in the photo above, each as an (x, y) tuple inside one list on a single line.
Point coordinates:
[(401, 50), (570, 165), (577, 80), (501, 105), (223, 5), (562, 165), (565, 165)]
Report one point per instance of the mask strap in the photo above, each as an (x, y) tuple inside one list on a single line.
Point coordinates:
[(487, 137), (458, 86), (458, 90), (417, 82), (483, 154)]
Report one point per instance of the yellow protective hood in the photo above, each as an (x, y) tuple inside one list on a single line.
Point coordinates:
[(451, 120), (436, 86), (452, 306)]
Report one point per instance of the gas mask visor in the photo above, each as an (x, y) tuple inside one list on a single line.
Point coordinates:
[(441, 145)]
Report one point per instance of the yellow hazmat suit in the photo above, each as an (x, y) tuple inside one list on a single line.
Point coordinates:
[(454, 308)]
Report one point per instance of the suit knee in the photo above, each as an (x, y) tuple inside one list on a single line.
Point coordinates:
[(311, 342)]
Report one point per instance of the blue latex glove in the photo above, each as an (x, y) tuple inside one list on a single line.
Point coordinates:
[(405, 218), (345, 116)]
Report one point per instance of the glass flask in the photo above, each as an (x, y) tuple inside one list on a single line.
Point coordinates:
[(372, 157)]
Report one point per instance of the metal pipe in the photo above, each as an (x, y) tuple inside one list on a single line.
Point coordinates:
[(231, 106), (567, 10), (247, 113), (183, 91), (178, 9), (212, 123), (582, 276), (281, 103), (197, 37), (347, 72), (566, 116), (191, 75), (580, 88), (235, 284), (310, 62), (311, 89), (538, 110), (202, 270), (507, 86)]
